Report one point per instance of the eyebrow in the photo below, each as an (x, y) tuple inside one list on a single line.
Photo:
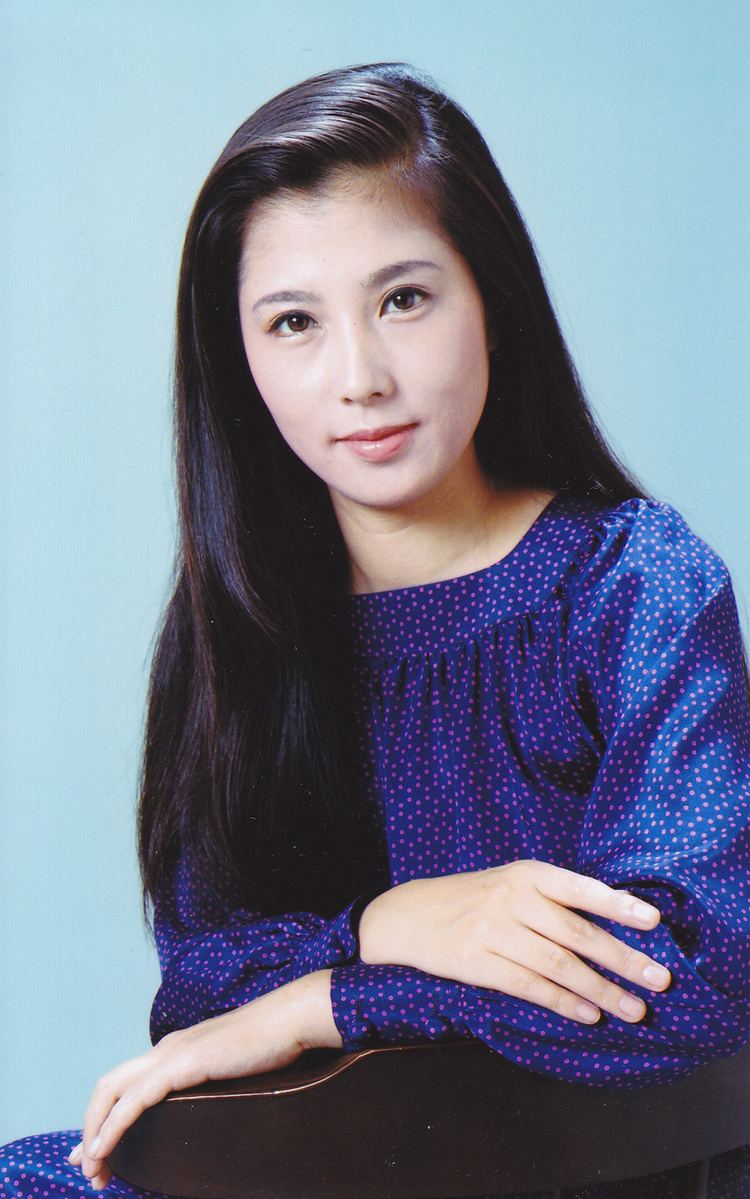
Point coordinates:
[(376, 279)]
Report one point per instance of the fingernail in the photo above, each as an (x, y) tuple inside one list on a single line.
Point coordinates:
[(657, 976), (75, 1153), (587, 1012), (95, 1146), (631, 1006), (643, 911)]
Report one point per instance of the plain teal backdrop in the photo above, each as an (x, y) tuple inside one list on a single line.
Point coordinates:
[(621, 126)]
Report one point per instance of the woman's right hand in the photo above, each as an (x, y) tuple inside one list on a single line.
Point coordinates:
[(514, 928)]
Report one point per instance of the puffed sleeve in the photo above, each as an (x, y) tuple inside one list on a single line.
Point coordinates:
[(653, 666), (212, 961)]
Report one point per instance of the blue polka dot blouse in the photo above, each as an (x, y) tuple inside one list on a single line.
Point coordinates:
[(581, 702)]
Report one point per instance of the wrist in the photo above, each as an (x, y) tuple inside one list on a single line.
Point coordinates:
[(383, 927), (311, 1012)]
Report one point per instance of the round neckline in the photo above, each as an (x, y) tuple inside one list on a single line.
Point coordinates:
[(427, 618), (484, 572)]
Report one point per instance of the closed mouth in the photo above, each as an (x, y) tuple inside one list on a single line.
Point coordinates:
[(376, 434)]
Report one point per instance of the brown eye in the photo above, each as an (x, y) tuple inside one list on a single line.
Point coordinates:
[(295, 322), (405, 298)]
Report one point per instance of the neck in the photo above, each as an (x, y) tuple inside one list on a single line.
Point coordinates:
[(464, 525)]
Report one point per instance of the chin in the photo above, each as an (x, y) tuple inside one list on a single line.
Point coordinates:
[(385, 497)]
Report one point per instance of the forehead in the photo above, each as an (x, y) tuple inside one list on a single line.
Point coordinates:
[(349, 212)]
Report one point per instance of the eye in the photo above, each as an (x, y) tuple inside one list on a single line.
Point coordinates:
[(403, 299), (296, 322)]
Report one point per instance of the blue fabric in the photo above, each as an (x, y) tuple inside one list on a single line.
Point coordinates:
[(580, 702)]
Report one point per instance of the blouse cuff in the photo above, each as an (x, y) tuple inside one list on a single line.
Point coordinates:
[(337, 941), (392, 1005)]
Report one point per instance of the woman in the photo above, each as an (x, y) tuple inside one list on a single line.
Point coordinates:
[(448, 727)]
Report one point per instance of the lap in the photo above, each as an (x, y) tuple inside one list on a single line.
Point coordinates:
[(36, 1167)]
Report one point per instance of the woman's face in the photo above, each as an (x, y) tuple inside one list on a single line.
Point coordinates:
[(359, 318)]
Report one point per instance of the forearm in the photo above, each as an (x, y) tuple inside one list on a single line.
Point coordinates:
[(702, 1015), (207, 969)]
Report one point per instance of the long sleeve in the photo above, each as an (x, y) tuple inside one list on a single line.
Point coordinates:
[(653, 666), (211, 966)]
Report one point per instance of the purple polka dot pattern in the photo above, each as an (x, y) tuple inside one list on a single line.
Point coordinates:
[(580, 702), (37, 1168)]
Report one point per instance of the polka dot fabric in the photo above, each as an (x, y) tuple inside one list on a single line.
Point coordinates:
[(580, 702), (37, 1168)]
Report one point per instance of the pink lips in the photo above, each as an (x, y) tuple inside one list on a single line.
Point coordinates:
[(376, 445), (375, 434)]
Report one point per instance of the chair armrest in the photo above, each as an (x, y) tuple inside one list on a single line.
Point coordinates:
[(433, 1119)]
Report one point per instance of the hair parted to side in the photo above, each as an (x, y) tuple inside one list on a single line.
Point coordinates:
[(247, 767)]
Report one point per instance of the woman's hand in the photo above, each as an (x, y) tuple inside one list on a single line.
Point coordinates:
[(511, 929), (266, 1034)]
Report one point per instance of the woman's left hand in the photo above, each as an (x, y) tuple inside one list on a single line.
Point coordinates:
[(266, 1034)]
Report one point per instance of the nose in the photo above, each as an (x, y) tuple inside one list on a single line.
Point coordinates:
[(363, 369)]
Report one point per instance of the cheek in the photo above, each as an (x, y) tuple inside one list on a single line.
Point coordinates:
[(272, 381), (289, 402), (457, 370)]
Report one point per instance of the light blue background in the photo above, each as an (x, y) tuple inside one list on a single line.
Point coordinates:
[(622, 129)]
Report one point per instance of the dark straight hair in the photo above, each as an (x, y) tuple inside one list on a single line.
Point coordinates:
[(248, 768)]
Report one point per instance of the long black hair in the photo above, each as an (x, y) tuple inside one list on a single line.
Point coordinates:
[(247, 764)]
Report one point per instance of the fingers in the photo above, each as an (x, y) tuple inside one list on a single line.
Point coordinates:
[(100, 1180), (523, 983), (121, 1096), (542, 944), (587, 940), (104, 1097), (591, 895), (558, 964), (97, 1181), (559, 938), (139, 1095), (97, 1141), (550, 976)]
